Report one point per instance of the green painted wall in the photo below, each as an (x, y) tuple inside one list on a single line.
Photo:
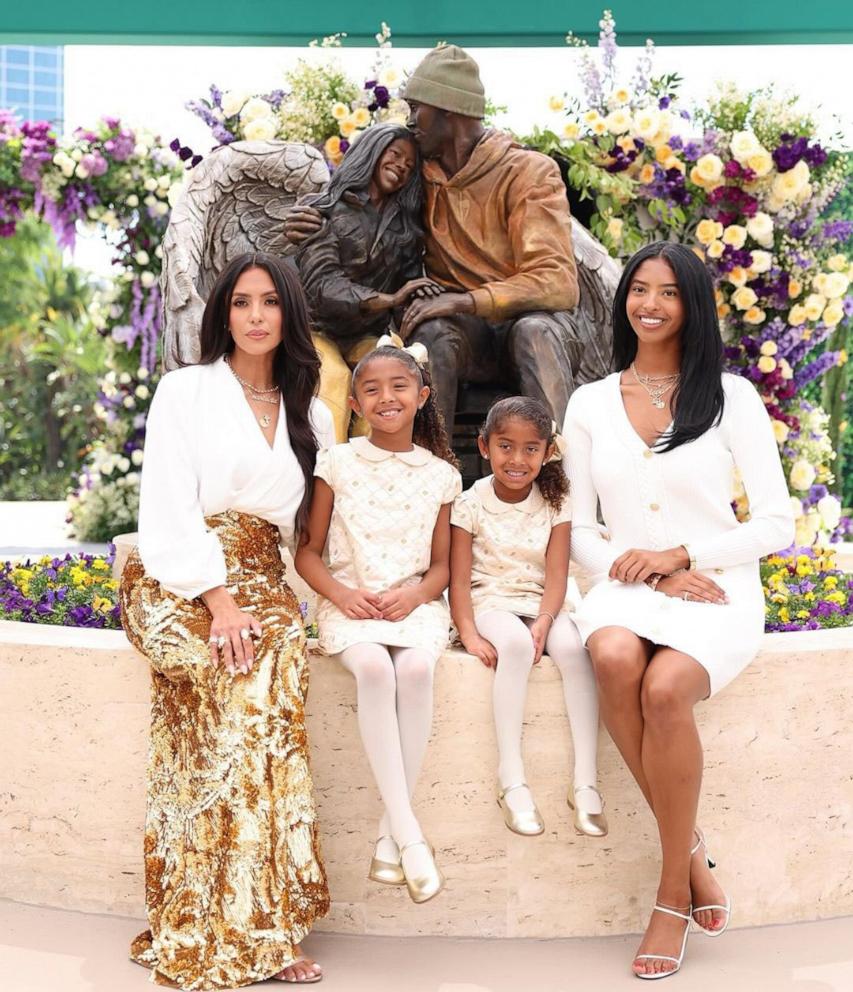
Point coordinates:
[(471, 22)]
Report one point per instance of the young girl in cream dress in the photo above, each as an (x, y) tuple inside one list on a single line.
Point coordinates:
[(377, 554), (509, 569)]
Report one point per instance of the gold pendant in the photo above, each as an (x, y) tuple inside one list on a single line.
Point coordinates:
[(265, 420)]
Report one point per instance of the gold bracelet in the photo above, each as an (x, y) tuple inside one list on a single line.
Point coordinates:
[(545, 613)]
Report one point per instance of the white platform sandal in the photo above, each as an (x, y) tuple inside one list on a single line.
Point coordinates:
[(727, 909), (651, 976)]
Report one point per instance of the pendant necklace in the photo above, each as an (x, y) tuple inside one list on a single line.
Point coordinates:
[(256, 394), (657, 386)]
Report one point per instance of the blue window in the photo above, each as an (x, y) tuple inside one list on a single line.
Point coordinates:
[(47, 60), (45, 79), (18, 56), (19, 76), (18, 97)]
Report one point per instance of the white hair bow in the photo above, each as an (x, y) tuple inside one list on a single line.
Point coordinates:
[(416, 350)]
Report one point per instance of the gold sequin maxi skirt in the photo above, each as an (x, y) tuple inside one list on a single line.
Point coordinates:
[(233, 873)]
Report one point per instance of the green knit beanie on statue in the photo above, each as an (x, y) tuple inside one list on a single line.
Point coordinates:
[(448, 78)]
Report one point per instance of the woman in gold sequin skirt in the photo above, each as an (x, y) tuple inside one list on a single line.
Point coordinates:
[(233, 874)]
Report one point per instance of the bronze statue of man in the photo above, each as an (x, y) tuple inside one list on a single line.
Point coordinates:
[(497, 240)]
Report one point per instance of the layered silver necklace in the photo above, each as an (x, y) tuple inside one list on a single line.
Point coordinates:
[(657, 386), (258, 395)]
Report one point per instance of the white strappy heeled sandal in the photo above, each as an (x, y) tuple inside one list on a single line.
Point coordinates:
[(727, 909), (651, 976)]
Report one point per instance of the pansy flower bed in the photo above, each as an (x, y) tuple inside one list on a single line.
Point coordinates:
[(805, 591), (75, 591)]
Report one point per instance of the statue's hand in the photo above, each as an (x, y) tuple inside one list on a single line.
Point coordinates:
[(444, 305), (421, 288), (301, 223)]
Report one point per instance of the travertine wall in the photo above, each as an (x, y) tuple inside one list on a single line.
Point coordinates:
[(777, 800)]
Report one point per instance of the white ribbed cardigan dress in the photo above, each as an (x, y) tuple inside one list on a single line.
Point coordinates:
[(657, 501)]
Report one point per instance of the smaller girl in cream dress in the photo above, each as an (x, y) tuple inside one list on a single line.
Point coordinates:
[(509, 575), (377, 554)]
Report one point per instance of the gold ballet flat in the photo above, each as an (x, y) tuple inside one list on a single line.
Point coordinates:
[(528, 822), (588, 824), (386, 872), (423, 887)]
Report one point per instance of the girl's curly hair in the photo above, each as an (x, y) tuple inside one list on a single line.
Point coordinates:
[(428, 430), (552, 480)]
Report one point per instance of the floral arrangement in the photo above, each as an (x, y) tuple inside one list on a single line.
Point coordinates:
[(74, 591), (805, 591), (320, 104), (121, 182)]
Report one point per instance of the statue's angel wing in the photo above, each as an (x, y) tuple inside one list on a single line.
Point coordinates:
[(598, 277), (236, 201)]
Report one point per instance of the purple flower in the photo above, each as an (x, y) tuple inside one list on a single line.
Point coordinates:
[(663, 103)]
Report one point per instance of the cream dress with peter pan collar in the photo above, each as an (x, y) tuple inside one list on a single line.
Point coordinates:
[(508, 547), (380, 536)]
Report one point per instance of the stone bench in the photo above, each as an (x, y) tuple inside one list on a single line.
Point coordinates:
[(777, 797)]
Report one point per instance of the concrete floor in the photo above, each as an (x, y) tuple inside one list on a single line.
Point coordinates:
[(49, 950)]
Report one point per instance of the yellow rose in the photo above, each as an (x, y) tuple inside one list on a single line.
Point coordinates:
[(769, 348), (614, 228), (710, 168), (621, 95), (599, 128), (781, 431), (618, 121), (715, 249), (347, 127), (744, 144), (761, 162), (647, 174), (571, 130), (361, 117), (797, 315), (838, 263), (833, 313), (340, 111), (555, 103), (626, 143), (332, 148), (819, 283), (814, 304), (788, 185), (723, 310), (755, 316), (766, 364), (744, 297), (737, 276), (708, 231), (734, 235), (260, 129), (662, 153), (674, 163), (591, 116), (802, 475), (785, 369), (795, 287)]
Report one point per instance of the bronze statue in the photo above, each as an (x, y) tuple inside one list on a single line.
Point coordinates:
[(498, 237), (367, 260)]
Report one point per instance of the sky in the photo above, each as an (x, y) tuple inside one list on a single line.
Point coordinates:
[(149, 85)]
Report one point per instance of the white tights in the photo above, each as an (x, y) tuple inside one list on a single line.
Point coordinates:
[(395, 718), (511, 638)]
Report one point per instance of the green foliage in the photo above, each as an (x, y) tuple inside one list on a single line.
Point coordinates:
[(50, 359)]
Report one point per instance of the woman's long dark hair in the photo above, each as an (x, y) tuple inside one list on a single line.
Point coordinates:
[(552, 480), (698, 398), (296, 366), (428, 430), (354, 174)]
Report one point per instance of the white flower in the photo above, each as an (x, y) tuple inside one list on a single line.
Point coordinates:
[(780, 431), (614, 228), (390, 77), (158, 251), (147, 279), (835, 285), (150, 200), (76, 154), (618, 121), (760, 229), (262, 129), (142, 372), (232, 101), (150, 184), (129, 402), (734, 235), (802, 474), (123, 464), (82, 171), (136, 456), (787, 186), (761, 261), (161, 209), (132, 200), (744, 144), (829, 508), (254, 109), (65, 163), (142, 392), (141, 149), (709, 168), (164, 181), (124, 378), (142, 258), (647, 123)]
